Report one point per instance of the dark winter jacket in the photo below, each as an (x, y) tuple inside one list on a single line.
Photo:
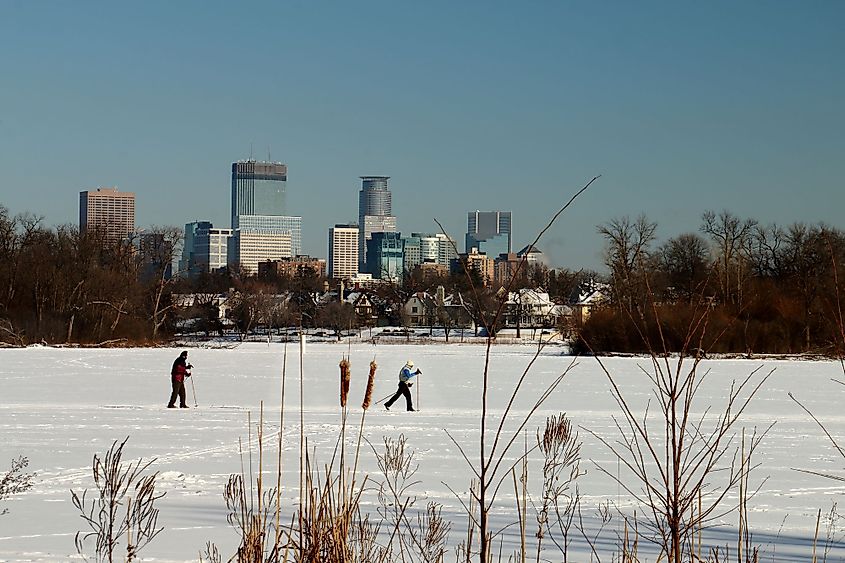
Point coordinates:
[(180, 369)]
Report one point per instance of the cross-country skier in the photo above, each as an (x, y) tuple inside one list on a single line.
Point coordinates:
[(178, 373), (406, 380)]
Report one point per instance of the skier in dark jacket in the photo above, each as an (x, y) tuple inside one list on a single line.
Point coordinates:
[(406, 380), (178, 373)]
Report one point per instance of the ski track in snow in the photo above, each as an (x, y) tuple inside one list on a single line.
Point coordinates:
[(83, 399)]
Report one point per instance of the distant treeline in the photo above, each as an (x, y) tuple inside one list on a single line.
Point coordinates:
[(60, 285), (733, 286)]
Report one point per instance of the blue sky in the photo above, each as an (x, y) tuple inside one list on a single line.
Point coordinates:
[(680, 106)]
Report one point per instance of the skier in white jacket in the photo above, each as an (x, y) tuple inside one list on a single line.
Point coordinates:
[(406, 381)]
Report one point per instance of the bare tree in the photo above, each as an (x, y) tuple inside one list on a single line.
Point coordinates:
[(673, 457), (158, 249), (627, 246), (767, 251), (807, 260), (685, 260), (337, 316), (732, 238)]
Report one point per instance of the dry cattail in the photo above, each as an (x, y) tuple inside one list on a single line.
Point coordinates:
[(368, 395), (344, 381)]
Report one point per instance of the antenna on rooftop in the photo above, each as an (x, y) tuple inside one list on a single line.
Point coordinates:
[(268, 154), (250, 151)]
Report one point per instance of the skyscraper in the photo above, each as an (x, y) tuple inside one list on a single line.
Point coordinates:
[(447, 250), (375, 212), (412, 252), (107, 209), (489, 232), (343, 251), (261, 228), (385, 256), (429, 248), (187, 259), (205, 249), (258, 188)]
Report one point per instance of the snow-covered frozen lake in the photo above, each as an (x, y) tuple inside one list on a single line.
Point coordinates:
[(58, 407)]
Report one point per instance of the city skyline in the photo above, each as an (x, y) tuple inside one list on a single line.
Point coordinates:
[(680, 108), (258, 188)]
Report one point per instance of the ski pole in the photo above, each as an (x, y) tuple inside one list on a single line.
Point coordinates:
[(194, 391), (384, 398)]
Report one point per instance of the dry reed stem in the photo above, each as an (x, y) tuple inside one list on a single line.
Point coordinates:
[(279, 466), (302, 451)]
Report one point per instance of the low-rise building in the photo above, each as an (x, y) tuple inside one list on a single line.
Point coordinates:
[(296, 266), (478, 262)]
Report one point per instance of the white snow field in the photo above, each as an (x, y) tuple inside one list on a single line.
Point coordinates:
[(58, 407)]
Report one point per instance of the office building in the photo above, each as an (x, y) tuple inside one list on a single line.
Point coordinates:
[(205, 249), (260, 220), (254, 246), (291, 226), (375, 212), (302, 266), (343, 251), (109, 210), (385, 258), (187, 258), (447, 249), (426, 248), (475, 261), (437, 248), (506, 267), (489, 232), (412, 252), (258, 188)]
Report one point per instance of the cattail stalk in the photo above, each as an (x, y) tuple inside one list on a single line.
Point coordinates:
[(368, 394), (344, 381), (345, 377), (368, 398)]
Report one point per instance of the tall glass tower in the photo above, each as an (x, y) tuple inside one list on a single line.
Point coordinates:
[(374, 197), (489, 232), (258, 188), (375, 213), (261, 228), (385, 256)]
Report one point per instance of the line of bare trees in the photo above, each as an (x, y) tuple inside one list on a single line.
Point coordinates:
[(771, 288), (60, 285)]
